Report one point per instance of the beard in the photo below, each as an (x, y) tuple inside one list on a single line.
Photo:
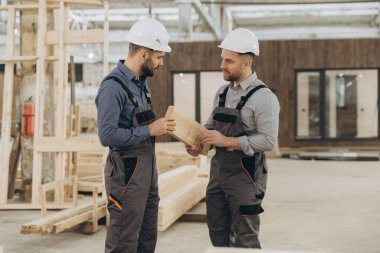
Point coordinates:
[(231, 77), (147, 68)]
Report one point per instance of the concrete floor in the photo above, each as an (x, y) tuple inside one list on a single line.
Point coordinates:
[(320, 206)]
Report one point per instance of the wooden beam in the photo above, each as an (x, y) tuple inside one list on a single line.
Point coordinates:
[(78, 219), (75, 37), (72, 144), (39, 101), (72, 180), (105, 39), (38, 224), (188, 131), (174, 179), (29, 206), (178, 202), (17, 59), (7, 108), (13, 162)]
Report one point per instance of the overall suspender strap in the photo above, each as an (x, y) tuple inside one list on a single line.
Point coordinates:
[(130, 95), (222, 97), (245, 98), (147, 94)]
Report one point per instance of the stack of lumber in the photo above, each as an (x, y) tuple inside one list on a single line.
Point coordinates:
[(90, 164), (62, 220), (180, 190)]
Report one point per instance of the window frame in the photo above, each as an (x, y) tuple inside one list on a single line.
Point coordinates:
[(322, 106)]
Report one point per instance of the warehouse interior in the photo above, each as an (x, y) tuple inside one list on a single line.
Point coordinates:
[(321, 58)]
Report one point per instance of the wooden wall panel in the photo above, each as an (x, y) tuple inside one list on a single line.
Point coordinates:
[(275, 66)]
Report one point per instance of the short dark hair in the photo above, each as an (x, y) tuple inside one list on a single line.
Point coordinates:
[(248, 54), (133, 48)]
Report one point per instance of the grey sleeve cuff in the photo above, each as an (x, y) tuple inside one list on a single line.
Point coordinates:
[(144, 132), (244, 144)]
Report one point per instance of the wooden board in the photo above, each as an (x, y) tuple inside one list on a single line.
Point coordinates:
[(41, 224), (188, 131), (13, 162), (170, 181), (76, 37), (78, 219), (73, 144), (178, 202)]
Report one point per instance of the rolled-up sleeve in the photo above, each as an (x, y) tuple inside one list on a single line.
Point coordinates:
[(266, 116), (110, 102)]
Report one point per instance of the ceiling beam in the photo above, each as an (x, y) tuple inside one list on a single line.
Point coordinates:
[(205, 16), (265, 2)]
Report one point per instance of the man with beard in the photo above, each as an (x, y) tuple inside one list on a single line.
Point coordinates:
[(243, 125), (128, 126)]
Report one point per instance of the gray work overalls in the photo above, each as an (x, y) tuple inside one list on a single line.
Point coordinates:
[(132, 189), (237, 184)]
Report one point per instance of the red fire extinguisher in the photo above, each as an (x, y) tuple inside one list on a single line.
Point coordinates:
[(28, 118)]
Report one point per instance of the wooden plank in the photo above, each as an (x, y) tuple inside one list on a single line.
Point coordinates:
[(39, 102), (30, 206), (78, 219), (73, 144), (17, 59), (105, 39), (178, 202), (89, 186), (85, 2), (170, 181), (28, 7), (188, 131), (13, 162), (75, 37), (37, 224), (53, 185), (7, 108)]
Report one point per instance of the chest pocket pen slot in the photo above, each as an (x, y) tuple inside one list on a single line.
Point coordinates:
[(130, 164)]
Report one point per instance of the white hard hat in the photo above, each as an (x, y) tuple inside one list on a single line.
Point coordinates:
[(151, 34), (241, 40)]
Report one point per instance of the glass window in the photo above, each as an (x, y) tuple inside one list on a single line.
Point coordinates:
[(308, 104), (184, 94), (351, 103)]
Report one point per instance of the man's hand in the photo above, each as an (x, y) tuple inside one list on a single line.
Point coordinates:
[(213, 137), (162, 126), (194, 150)]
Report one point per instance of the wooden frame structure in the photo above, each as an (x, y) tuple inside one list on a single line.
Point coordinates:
[(61, 37)]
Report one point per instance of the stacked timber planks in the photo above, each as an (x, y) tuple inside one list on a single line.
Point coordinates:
[(180, 190), (59, 221)]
